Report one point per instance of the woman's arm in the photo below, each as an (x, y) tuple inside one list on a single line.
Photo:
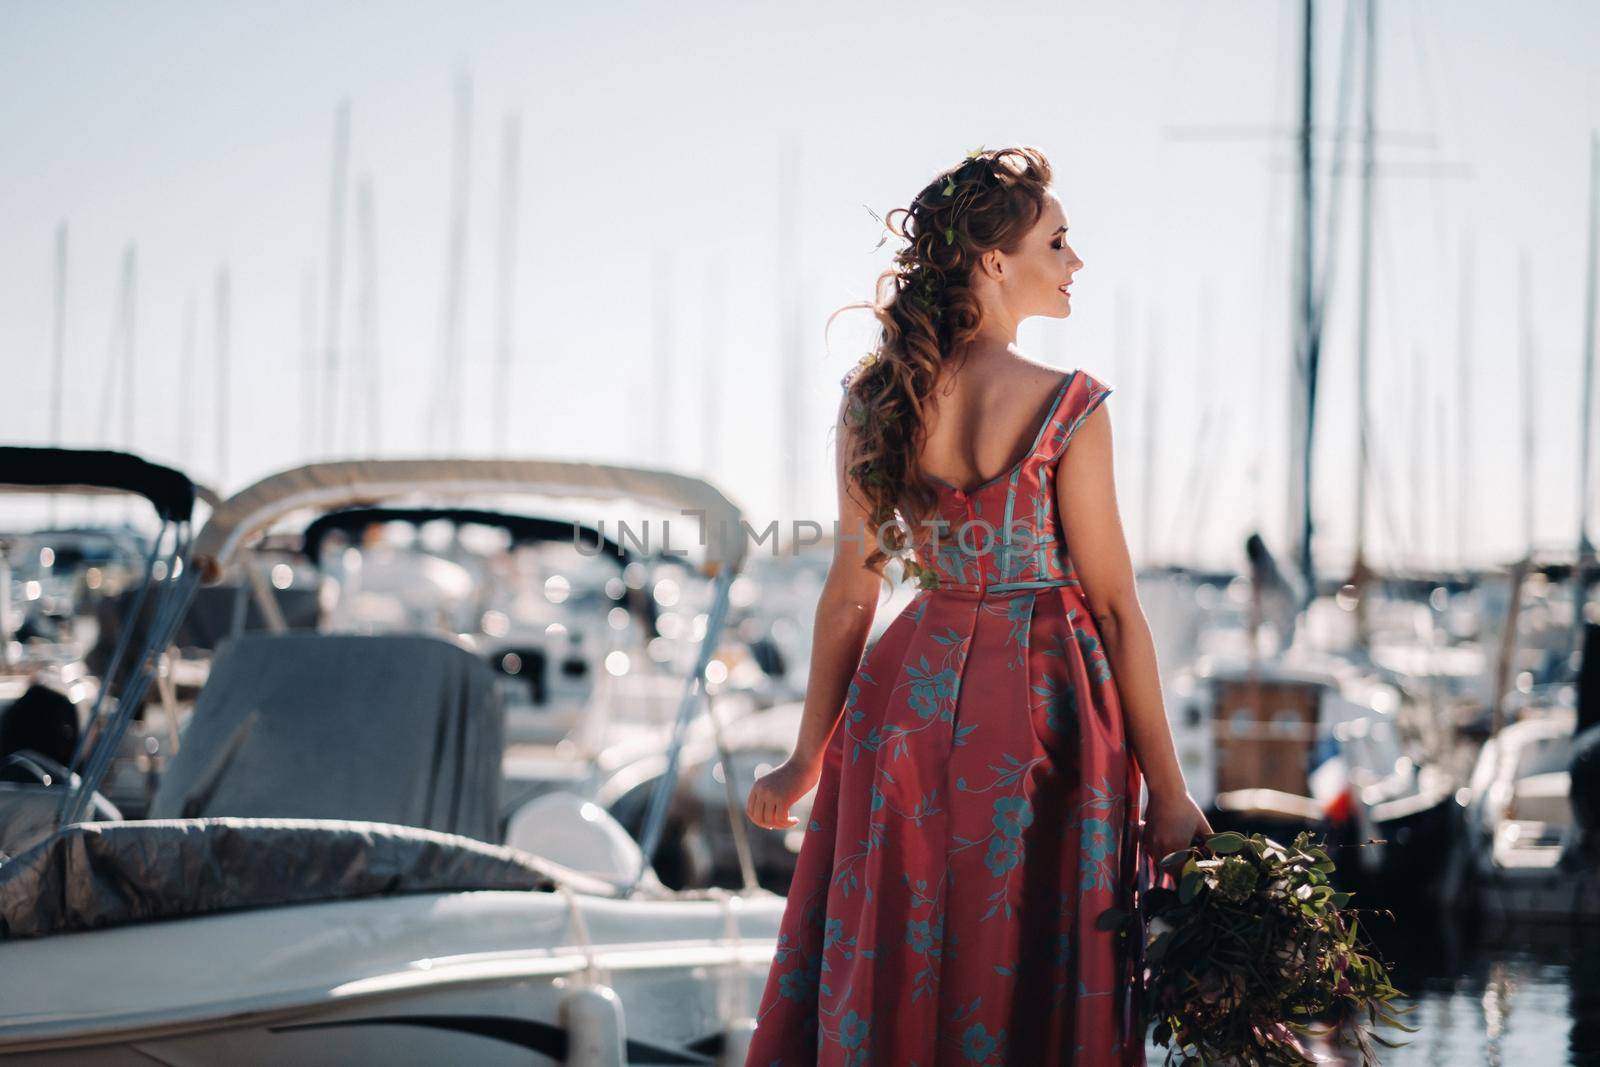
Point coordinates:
[(1086, 498), (843, 621)]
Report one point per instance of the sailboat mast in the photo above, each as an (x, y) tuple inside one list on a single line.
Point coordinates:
[(367, 249), (506, 277), (186, 375), (1302, 379), (335, 279), (1580, 593), (1419, 484), (791, 388), (1364, 324), (224, 387), (118, 358), (1529, 380), (1464, 427), (447, 392), (308, 362), (1147, 459), (130, 392), (58, 342), (1186, 521), (58, 379), (710, 392), (662, 330)]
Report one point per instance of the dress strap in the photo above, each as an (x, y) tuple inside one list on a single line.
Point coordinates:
[(1083, 393)]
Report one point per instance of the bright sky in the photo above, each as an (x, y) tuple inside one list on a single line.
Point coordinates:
[(651, 144)]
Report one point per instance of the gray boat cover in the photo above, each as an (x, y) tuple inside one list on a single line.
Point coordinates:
[(404, 729), (91, 875)]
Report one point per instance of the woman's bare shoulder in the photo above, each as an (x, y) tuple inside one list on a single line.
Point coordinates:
[(1011, 377), (1035, 380), (1030, 371)]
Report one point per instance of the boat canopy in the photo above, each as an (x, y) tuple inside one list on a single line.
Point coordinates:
[(717, 520), (80, 470), (165, 592)]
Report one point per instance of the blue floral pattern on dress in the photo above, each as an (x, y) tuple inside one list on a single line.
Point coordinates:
[(980, 738)]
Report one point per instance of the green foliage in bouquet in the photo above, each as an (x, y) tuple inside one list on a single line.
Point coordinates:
[(1254, 951)]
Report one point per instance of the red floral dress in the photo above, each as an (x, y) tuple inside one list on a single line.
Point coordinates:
[(976, 814)]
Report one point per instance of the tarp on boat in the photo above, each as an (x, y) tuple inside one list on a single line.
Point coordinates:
[(405, 729), (91, 875)]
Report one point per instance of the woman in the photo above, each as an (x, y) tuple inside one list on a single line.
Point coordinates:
[(977, 799)]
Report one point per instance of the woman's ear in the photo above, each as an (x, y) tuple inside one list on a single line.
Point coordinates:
[(992, 264)]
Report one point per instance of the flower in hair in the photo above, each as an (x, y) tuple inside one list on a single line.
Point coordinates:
[(919, 290)]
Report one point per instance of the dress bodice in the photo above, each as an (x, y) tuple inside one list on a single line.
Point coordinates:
[(1006, 531)]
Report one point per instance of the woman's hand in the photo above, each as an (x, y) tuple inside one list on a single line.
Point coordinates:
[(776, 792), (1172, 822)]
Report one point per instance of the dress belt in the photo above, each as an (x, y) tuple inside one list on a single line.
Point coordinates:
[(1002, 587)]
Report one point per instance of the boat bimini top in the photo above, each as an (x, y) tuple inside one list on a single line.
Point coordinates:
[(168, 586), (75, 471), (718, 524), (329, 486)]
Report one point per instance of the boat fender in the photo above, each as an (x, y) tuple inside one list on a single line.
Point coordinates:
[(593, 1019)]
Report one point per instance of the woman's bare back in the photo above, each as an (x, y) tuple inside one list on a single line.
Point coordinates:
[(983, 417)]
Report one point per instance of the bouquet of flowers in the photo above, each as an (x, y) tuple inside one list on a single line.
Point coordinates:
[(1253, 950)]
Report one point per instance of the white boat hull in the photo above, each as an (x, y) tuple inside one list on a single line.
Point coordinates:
[(469, 977)]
